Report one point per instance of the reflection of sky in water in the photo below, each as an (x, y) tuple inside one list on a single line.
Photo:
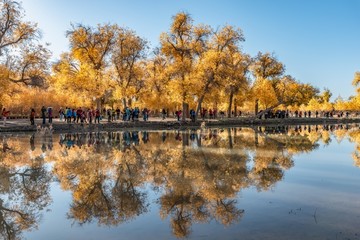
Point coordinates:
[(317, 198)]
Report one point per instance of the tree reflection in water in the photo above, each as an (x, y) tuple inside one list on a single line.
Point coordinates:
[(24, 189), (197, 173)]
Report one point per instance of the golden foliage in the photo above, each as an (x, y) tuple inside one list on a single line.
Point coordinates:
[(265, 92), (356, 81), (194, 65), (266, 66)]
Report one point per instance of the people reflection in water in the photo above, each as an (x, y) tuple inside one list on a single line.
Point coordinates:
[(145, 137), (32, 142), (43, 147), (193, 135), (178, 136), (199, 182), (163, 136), (70, 140), (135, 137), (127, 138)]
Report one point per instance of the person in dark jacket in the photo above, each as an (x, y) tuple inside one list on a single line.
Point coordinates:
[(43, 114)]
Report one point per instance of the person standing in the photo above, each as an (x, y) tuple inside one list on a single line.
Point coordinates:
[(43, 114), (163, 113), (113, 114), (32, 117), (68, 115), (5, 115), (65, 113), (90, 115), (97, 116), (109, 115), (178, 114), (61, 114), (118, 113), (192, 115), (145, 114), (79, 112), (74, 114), (50, 114)]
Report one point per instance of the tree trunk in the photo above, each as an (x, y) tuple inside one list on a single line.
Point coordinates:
[(206, 90), (198, 139), (185, 108), (256, 106), (268, 109), (198, 108), (256, 137), (187, 111), (185, 138), (124, 102), (230, 103), (98, 103), (235, 108), (230, 139)]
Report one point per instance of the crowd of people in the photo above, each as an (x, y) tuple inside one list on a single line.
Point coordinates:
[(301, 114), (94, 115)]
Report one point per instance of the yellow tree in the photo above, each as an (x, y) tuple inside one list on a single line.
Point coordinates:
[(284, 90), (324, 100), (91, 48), (157, 82), (356, 81), (181, 45), (265, 66), (314, 104), (354, 102), (290, 92), (4, 85), (21, 60), (13, 30), (236, 72), (325, 96), (25, 72), (128, 55), (30, 67), (73, 78), (264, 92), (340, 104), (220, 62)]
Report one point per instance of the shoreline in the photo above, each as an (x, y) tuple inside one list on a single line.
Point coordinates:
[(62, 127)]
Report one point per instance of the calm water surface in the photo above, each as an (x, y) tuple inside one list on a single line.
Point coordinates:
[(238, 183)]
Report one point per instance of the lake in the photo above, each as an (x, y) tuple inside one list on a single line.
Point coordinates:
[(289, 182)]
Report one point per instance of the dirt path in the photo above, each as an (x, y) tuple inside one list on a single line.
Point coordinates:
[(23, 125)]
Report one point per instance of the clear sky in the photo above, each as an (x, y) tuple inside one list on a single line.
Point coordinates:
[(317, 40)]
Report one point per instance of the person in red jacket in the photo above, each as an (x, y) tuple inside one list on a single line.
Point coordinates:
[(5, 115), (32, 116)]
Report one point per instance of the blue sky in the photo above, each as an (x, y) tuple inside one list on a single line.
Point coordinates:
[(317, 40)]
